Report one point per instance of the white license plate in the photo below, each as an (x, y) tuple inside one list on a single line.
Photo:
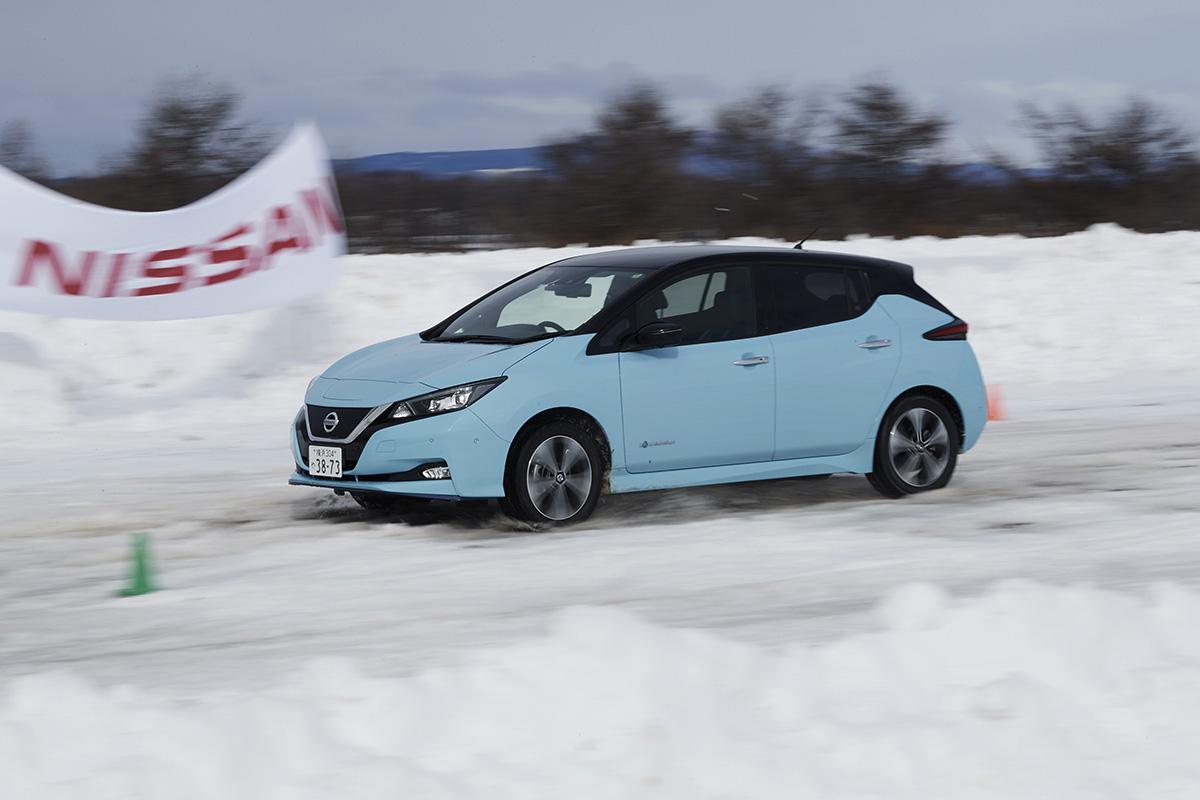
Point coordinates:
[(325, 462)]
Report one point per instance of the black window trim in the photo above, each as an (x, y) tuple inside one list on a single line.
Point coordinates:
[(878, 280)]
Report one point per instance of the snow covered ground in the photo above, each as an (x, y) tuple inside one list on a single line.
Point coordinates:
[(842, 646), (1027, 692)]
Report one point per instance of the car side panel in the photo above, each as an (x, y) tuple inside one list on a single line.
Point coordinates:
[(950, 365), (559, 375), (829, 388), (696, 406)]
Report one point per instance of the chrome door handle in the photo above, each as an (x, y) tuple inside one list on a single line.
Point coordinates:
[(750, 361), (875, 344)]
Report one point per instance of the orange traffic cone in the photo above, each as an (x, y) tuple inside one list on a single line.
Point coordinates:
[(996, 409)]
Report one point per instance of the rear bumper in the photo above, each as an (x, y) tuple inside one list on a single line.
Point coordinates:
[(474, 453), (971, 394)]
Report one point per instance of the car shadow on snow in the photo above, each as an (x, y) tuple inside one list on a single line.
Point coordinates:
[(614, 511)]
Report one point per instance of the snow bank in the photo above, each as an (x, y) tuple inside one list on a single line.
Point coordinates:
[(1093, 306), (1025, 692)]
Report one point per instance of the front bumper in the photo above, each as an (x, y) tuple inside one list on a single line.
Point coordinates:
[(474, 453), (436, 489)]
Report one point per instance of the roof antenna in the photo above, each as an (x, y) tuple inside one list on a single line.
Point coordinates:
[(800, 244)]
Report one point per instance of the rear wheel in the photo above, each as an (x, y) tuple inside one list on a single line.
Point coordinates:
[(916, 449), (555, 477)]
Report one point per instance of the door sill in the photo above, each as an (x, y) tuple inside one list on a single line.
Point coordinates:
[(859, 460)]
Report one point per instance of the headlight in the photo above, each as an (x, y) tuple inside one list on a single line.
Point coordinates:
[(444, 400)]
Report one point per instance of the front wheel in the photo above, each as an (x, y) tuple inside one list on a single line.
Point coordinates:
[(555, 477), (916, 449)]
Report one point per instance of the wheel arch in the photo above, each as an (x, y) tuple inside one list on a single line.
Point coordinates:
[(563, 414), (942, 396)]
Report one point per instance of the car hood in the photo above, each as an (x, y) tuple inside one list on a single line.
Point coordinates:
[(438, 365)]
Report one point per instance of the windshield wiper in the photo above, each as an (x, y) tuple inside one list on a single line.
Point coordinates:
[(476, 337), (540, 336)]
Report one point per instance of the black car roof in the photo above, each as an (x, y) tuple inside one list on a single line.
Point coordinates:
[(885, 277), (665, 256)]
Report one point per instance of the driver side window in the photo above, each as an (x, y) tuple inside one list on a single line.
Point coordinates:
[(712, 306)]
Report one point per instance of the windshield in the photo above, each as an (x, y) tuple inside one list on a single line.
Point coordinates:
[(549, 302)]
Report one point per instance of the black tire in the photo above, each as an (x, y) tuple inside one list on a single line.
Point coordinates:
[(379, 503), (916, 449), (563, 458)]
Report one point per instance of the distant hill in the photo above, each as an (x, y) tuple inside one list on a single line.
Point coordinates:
[(522, 159), (455, 162)]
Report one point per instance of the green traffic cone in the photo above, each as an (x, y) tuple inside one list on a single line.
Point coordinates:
[(140, 577)]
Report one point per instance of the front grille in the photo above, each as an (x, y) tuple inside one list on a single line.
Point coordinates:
[(350, 451), (347, 421)]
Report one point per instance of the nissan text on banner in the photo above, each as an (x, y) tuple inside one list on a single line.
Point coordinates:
[(269, 237)]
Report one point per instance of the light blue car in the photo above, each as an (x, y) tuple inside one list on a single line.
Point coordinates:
[(652, 368)]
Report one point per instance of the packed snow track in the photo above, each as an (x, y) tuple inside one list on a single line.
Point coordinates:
[(259, 573)]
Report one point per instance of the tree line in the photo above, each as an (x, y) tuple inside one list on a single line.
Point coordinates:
[(867, 160)]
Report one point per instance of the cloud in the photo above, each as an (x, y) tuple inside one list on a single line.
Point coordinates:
[(569, 82), (395, 108), (383, 76)]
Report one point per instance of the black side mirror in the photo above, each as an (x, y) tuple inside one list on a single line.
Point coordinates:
[(658, 334)]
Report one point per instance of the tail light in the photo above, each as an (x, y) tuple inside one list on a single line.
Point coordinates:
[(953, 331)]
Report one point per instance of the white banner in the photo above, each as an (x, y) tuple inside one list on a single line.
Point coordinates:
[(269, 237)]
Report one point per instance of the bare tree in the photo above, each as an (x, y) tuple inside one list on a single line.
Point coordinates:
[(882, 132), (774, 163), (766, 146), (189, 143), (619, 179), (17, 151), (1137, 142), (887, 158), (1136, 166)]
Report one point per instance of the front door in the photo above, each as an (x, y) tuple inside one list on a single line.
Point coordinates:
[(711, 400)]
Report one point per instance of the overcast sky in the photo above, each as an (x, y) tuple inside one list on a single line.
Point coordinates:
[(446, 75)]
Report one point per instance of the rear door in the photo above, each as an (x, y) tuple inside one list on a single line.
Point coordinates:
[(835, 358), (711, 400)]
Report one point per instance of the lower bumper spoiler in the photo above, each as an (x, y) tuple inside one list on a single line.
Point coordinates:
[(435, 489)]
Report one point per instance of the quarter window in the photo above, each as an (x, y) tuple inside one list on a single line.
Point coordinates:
[(710, 306), (804, 297)]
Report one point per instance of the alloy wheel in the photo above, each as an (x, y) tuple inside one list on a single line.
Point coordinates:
[(559, 477), (919, 445)]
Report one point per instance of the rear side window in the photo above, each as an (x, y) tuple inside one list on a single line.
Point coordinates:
[(805, 297), (710, 306)]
